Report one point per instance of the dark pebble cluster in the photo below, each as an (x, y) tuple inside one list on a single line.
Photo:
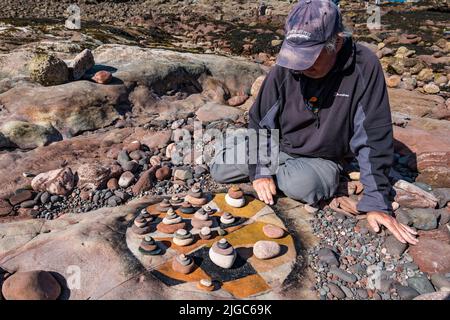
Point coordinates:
[(352, 263)]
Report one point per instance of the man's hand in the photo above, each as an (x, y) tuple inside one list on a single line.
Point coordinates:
[(266, 189), (403, 233)]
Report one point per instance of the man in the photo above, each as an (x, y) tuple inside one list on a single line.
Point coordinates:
[(327, 97)]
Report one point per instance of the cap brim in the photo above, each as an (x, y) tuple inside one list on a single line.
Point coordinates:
[(298, 58)]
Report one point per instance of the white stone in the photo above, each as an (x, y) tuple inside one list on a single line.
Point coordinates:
[(236, 203), (222, 261)]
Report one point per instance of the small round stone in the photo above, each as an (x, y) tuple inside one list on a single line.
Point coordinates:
[(266, 249), (273, 232)]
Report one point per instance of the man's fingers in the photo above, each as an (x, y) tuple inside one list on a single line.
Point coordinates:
[(395, 232), (410, 230), (268, 194), (262, 193), (273, 188), (407, 235)]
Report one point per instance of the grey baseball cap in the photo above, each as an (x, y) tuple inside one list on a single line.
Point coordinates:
[(308, 27)]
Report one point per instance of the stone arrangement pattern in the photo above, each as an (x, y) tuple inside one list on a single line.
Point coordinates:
[(249, 276)]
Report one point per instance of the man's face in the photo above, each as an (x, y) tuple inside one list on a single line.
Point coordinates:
[(324, 62)]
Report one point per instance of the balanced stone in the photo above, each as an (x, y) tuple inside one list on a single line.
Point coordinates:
[(207, 209), (183, 264), (266, 249), (171, 217), (273, 232), (176, 201), (205, 284), (171, 223), (222, 254), (195, 197), (205, 233), (235, 192), (164, 205), (235, 202), (227, 218), (187, 208), (183, 238), (145, 215), (201, 219), (149, 247), (141, 226)]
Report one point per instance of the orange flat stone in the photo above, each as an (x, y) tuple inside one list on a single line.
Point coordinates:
[(246, 287)]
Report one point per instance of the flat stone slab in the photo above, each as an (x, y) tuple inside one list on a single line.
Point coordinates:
[(248, 278)]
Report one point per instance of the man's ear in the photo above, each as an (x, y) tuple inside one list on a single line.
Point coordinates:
[(339, 42)]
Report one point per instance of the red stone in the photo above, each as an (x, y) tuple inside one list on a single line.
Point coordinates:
[(170, 228), (432, 253), (33, 285), (178, 267), (145, 182), (410, 196), (112, 184), (273, 232), (163, 173), (102, 77)]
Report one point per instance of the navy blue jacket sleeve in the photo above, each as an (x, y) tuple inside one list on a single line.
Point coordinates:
[(372, 140)]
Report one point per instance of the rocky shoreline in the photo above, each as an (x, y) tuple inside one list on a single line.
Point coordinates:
[(105, 117)]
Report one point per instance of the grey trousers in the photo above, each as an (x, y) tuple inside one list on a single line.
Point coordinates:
[(308, 180)]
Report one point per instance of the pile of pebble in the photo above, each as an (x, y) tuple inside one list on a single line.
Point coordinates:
[(353, 263)]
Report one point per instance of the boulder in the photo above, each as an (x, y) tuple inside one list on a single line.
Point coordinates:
[(70, 108), (417, 104), (410, 196), (48, 70), (145, 181), (158, 139), (213, 112), (82, 63), (432, 253), (160, 69), (31, 285), (58, 182), (430, 149), (93, 176), (27, 135)]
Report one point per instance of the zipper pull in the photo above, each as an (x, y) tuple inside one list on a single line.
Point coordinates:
[(317, 120)]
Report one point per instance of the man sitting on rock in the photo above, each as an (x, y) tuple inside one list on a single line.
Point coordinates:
[(327, 98)]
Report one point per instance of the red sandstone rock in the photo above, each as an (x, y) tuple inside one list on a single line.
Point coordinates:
[(20, 196), (59, 181), (102, 77), (170, 228), (273, 232), (411, 196), (432, 253), (33, 285), (237, 100), (113, 184)]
